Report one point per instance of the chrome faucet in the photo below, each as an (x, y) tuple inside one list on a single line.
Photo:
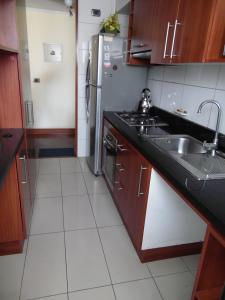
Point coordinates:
[(212, 146)]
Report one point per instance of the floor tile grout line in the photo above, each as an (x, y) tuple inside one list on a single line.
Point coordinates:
[(100, 239), (91, 288), (189, 269), (48, 296), (24, 265), (28, 236), (153, 278), (64, 233), (72, 230)]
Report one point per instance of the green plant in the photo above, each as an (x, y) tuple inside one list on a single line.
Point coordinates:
[(111, 24)]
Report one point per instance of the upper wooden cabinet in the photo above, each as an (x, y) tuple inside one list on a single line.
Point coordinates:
[(191, 28), (8, 31), (215, 47), (178, 31)]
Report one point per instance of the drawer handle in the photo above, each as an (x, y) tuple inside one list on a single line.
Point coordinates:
[(120, 188), (121, 149), (120, 169), (140, 180)]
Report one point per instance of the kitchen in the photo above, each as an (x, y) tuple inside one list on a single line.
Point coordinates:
[(163, 179)]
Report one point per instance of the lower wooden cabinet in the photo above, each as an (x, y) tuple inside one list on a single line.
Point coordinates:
[(12, 231), (15, 205), (24, 186), (159, 221), (210, 278), (131, 189)]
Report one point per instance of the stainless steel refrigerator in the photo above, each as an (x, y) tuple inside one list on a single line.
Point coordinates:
[(111, 85)]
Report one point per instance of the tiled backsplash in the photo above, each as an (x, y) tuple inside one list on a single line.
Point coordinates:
[(186, 86)]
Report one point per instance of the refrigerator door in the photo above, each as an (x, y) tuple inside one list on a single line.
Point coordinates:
[(96, 53), (94, 130), (95, 105)]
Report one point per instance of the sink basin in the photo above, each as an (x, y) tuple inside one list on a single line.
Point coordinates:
[(179, 144), (190, 153)]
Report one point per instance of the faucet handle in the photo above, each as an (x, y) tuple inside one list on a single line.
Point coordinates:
[(209, 146)]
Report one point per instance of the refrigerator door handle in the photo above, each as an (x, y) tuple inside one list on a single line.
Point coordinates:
[(87, 100), (88, 72)]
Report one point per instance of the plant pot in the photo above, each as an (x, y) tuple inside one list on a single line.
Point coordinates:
[(114, 32)]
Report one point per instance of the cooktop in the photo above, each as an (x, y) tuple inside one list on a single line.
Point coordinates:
[(135, 119)]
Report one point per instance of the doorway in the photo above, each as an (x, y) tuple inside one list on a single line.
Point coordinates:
[(52, 52)]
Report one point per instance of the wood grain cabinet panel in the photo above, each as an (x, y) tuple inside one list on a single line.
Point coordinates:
[(131, 187), (15, 205), (11, 225), (24, 186), (8, 32), (215, 46), (192, 26), (10, 99), (179, 31), (131, 194), (210, 278), (163, 25)]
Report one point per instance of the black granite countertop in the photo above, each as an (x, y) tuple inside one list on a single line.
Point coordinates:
[(10, 140), (208, 197)]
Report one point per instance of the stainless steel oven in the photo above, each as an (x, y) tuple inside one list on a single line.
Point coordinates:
[(109, 157)]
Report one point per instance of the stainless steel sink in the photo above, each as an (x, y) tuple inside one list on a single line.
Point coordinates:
[(181, 144), (190, 153)]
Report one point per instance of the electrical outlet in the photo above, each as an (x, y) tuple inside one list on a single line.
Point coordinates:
[(96, 12)]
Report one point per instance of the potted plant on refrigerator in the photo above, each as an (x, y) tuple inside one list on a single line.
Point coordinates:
[(111, 24)]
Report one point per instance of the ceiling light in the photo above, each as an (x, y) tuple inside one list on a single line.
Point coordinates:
[(69, 3)]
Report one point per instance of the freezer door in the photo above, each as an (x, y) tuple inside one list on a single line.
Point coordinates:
[(96, 56), (94, 60), (94, 130), (121, 84)]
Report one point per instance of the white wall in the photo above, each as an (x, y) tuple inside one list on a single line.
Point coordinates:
[(121, 3), (87, 26), (186, 86), (54, 96)]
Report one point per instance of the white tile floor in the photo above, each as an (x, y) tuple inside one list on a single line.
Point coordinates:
[(79, 249)]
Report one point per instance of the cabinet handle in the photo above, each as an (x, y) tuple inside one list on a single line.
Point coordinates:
[(120, 188), (166, 40), (140, 180), (121, 149), (23, 159), (174, 38), (120, 169)]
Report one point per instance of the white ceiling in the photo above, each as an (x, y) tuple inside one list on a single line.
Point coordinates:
[(58, 5)]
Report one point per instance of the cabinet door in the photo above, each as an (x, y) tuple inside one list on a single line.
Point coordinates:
[(24, 187), (8, 33), (165, 13), (11, 226), (215, 50), (191, 29), (140, 173), (142, 27)]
